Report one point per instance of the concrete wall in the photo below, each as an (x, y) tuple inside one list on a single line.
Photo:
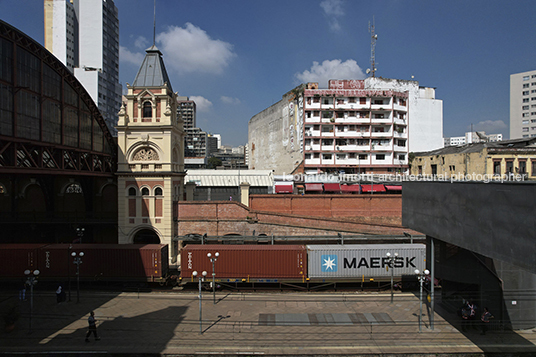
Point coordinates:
[(493, 220), (274, 137)]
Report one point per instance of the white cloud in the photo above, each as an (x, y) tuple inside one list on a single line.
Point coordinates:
[(229, 100), (490, 126), (193, 50), (334, 69), (141, 42), (130, 57), (332, 7), (333, 10), (202, 104)]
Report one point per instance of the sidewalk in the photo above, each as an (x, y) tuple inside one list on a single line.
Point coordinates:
[(247, 323)]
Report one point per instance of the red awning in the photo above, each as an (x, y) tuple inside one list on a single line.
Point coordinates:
[(284, 188), (393, 187), (375, 188), (313, 187), (350, 188), (332, 187)]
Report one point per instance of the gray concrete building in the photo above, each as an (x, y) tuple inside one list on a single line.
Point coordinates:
[(523, 105)]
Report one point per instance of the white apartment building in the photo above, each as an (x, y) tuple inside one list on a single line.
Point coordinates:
[(354, 126), (523, 105), (472, 137), (84, 35)]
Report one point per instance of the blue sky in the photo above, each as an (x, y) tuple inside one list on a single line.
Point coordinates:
[(238, 57)]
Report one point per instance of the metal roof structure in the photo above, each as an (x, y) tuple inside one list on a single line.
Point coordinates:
[(263, 178), (152, 72)]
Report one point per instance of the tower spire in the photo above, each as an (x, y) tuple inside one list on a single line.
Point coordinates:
[(373, 38), (154, 24)]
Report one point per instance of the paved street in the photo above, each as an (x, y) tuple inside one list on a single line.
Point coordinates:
[(245, 323)]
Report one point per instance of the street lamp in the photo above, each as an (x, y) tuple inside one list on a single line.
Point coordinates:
[(31, 280), (421, 277), (391, 260), (77, 261), (213, 260), (80, 233), (204, 273)]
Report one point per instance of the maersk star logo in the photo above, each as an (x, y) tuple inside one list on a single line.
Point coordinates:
[(329, 263)]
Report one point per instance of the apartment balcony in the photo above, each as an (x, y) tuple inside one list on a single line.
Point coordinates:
[(400, 148), (382, 134), (314, 147), (313, 105), (384, 120), (360, 120), (313, 119), (400, 107), (382, 147), (312, 133), (328, 161), (400, 162), (328, 134), (385, 106), (399, 121), (396, 134), (312, 162)]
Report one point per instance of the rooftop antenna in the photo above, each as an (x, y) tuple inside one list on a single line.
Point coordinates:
[(154, 23), (373, 38)]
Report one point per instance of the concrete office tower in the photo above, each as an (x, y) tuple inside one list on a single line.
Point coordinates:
[(84, 35), (523, 105)]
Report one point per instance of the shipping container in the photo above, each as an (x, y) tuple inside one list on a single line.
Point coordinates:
[(15, 259), (105, 262), (364, 261), (261, 263)]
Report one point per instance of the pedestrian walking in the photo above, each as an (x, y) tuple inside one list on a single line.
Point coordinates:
[(92, 321), (486, 316), (22, 292), (58, 294)]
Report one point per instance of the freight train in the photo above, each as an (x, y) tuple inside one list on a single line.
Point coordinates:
[(303, 263), (100, 262), (238, 264)]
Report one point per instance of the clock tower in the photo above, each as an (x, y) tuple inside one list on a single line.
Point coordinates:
[(151, 157)]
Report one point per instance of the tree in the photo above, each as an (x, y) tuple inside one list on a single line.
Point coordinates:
[(213, 163)]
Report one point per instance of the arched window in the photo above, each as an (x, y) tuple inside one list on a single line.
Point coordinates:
[(145, 191), (147, 110), (132, 191), (158, 191)]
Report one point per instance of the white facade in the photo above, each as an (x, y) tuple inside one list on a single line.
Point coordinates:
[(60, 31), (523, 105), (472, 137), (84, 35)]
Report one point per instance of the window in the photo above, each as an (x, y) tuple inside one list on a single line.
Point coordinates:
[(326, 156), (434, 169), (132, 191), (533, 169), (316, 100), (401, 157), (525, 121), (525, 130), (522, 167), (509, 167), (525, 115), (525, 100), (497, 167), (363, 157), (525, 78), (525, 85), (351, 100), (144, 166), (380, 157), (362, 100), (147, 110), (145, 191), (378, 101), (158, 191), (525, 107), (525, 92), (420, 169)]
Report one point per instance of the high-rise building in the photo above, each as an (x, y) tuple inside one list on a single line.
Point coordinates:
[(523, 105), (84, 35), (353, 127), (472, 137)]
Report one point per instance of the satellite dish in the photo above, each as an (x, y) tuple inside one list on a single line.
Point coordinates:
[(368, 70)]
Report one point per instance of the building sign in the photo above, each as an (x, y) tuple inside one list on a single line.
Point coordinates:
[(355, 93), (346, 84)]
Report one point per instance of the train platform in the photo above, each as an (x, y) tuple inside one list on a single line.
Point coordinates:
[(269, 323)]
